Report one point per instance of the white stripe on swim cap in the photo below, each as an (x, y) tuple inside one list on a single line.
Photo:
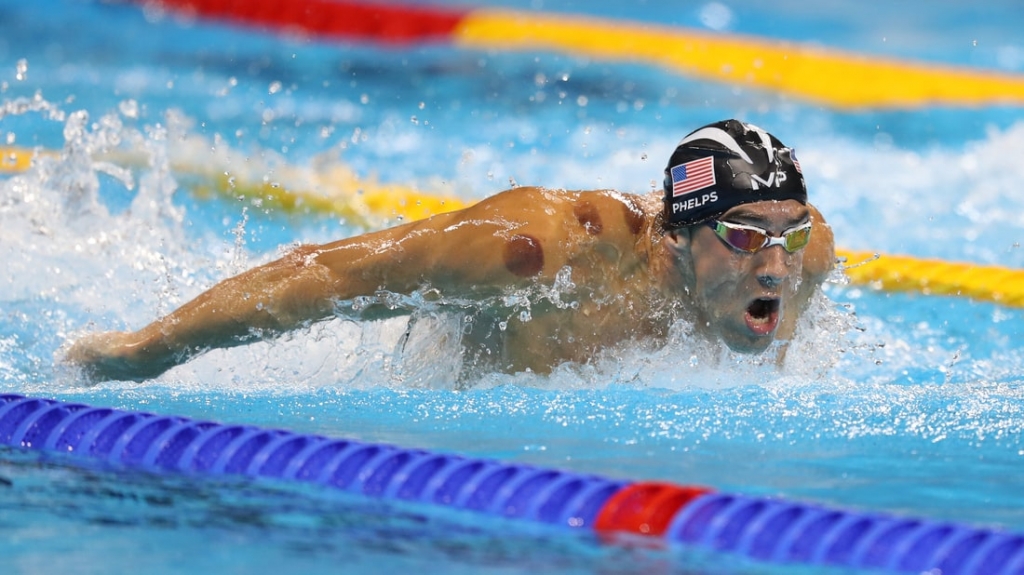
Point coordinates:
[(766, 141), (717, 135)]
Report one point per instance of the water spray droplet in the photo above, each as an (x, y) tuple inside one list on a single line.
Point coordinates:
[(129, 108)]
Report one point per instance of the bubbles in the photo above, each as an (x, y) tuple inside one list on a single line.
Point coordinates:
[(21, 70), (129, 109)]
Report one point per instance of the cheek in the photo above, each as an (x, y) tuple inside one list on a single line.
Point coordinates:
[(716, 269), (717, 278)]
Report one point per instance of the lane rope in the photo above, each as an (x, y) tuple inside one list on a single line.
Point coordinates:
[(766, 529), (995, 284), (819, 75)]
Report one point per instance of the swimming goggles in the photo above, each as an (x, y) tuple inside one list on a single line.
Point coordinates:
[(751, 239)]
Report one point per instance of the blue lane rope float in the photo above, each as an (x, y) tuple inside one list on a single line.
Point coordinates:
[(765, 529)]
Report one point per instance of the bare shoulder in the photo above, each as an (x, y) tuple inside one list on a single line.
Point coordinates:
[(594, 213), (539, 230), (514, 237)]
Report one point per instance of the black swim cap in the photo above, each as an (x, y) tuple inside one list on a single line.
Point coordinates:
[(726, 164)]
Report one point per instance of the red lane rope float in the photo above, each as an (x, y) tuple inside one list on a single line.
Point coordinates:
[(645, 508), (767, 529), (398, 25)]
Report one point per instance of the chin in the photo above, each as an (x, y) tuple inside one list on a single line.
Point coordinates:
[(741, 340), (750, 346)]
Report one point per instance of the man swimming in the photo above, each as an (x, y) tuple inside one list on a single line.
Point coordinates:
[(731, 245)]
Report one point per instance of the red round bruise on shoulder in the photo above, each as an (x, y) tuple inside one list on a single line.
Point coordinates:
[(524, 255), (634, 214), (589, 217)]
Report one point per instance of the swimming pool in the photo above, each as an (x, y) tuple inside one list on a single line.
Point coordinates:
[(899, 403)]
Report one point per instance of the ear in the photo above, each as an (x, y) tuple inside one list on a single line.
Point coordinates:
[(677, 242)]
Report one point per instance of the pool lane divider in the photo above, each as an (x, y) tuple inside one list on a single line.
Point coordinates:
[(896, 273), (765, 529), (829, 77)]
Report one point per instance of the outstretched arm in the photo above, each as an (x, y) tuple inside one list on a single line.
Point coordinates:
[(476, 251), (259, 302)]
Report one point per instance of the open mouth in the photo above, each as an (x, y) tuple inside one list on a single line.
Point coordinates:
[(762, 315)]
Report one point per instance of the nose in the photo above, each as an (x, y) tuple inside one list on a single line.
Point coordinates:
[(773, 266)]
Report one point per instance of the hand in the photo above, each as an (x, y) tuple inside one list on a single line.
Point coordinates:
[(112, 356)]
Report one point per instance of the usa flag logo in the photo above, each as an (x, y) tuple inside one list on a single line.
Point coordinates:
[(693, 176)]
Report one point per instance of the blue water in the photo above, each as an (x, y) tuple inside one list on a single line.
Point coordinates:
[(891, 402)]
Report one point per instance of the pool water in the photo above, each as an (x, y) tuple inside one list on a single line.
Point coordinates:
[(899, 403)]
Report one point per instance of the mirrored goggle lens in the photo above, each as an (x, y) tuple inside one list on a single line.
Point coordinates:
[(742, 239), (797, 239)]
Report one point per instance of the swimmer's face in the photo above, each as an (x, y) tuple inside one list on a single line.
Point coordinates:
[(743, 298)]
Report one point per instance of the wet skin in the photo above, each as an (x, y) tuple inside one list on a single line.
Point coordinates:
[(631, 281)]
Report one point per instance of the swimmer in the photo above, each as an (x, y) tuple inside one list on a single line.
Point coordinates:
[(731, 245)]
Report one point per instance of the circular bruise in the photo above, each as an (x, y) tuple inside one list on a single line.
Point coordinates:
[(524, 256), (589, 217), (633, 213)]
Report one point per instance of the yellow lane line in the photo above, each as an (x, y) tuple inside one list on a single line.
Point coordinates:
[(825, 76)]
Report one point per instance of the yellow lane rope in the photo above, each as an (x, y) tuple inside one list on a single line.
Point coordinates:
[(936, 277), (338, 191), (824, 76), (367, 203), (14, 159)]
